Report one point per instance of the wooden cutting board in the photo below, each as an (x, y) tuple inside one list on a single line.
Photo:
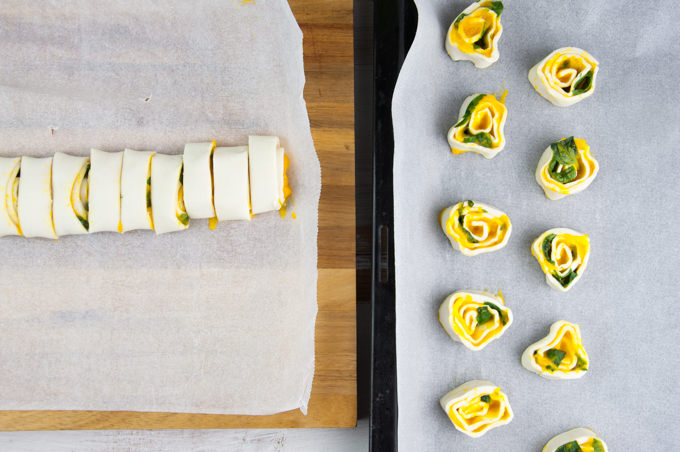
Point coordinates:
[(327, 26)]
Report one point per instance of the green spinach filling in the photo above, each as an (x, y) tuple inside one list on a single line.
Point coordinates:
[(582, 84), (485, 398), (555, 355), (566, 279), (562, 166), (569, 447)]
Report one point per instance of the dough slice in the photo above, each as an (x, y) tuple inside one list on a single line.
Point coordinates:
[(70, 181), (135, 190), (167, 194), (105, 169), (35, 198), (232, 190)]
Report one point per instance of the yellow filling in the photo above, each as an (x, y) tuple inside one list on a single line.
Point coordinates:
[(585, 168), (486, 230), (487, 116), (80, 191), (180, 210), (286, 187), (477, 415), (562, 70), (480, 27), (567, 340), (149, 207), (570, 248), (588, 446), (463, 320), (12, 197)]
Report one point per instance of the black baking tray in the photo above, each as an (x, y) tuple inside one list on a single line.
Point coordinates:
[(394, 27)]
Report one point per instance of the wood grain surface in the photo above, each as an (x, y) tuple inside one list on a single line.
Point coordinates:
[(327, 26)]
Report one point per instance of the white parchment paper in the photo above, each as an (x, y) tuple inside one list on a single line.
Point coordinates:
[(197, 321), (626, 302)]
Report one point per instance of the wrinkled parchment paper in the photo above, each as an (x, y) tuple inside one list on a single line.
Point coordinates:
[(626, 302), (196, 321)]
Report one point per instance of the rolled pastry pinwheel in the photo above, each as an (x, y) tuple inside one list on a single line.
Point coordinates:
[(268, 181), (34, 199), (480, 126), (167, 194), (70, 188), (576, 440), (9, 196), (198, 180), (232, 191), (474, 228), (474, 318), (566, 76), (104, 197), (474, 34), (476, 407), (566, 167), (135, 190), (563, 256), (558, 356)]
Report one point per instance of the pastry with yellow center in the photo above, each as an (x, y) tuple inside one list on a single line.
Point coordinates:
[(563, 256), (474, 34), (480, 126), (576, 440), (566, 76), (474, 228), (474, 318), (232, 191), (9, 195), (558, 356), (70, 189), (34, 200), (268, 181), (167, 194), (476, 407), (104, 198), (198, 179), (135, 190), (566, 167)]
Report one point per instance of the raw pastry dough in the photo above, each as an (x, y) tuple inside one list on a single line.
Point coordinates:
[(105, 169), (474, 318), (70, 189), (563, 256), (576, 440), (558, 356), (232, 191), (9, 191), (474, 228), (35, 198), (167, 194), (198, 180), (476, 407), (135, 190), (474, 34), (566, 167), (266, 162), (566, 76), (479, 127)]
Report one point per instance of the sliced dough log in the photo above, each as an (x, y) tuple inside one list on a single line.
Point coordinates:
[(232, 191), (198, 180), (135, 190), (167, 198), (265, 158), (70, 192), (9, 188), (35, 198), (105, 191)]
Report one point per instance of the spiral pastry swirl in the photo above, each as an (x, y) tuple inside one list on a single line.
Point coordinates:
[(563, 256), (566, 76), (474, 34), (476, 407), (566, 167), (474, 318), (474, 228), (560, 355), (480, 126)]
